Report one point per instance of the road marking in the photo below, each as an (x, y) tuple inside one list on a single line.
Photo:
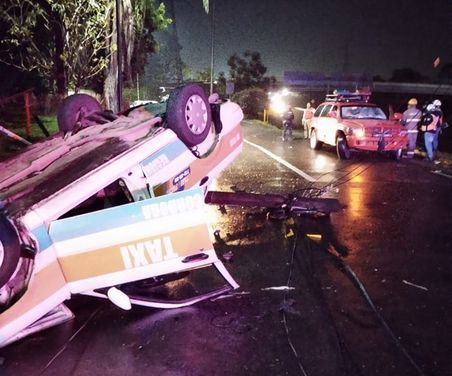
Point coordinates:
[(282, 161)]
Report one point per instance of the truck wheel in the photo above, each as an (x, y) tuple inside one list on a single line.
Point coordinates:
[(9, 250), (74, 111), (313, 141), (188, 114), (343, 151)]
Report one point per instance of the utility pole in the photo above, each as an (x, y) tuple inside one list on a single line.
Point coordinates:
[(212, 45), (119, 53)]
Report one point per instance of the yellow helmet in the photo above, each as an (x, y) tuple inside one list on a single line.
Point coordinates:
[(412, 102)]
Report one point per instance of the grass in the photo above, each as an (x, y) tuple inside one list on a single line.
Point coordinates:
[(49, 122), (17, 125)]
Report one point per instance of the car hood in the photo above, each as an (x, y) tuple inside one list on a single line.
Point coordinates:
[(370, 123)]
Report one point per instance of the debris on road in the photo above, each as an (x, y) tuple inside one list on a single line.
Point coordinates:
[(287, 307), (230, 295), (278, 288), (315, 237), (414, 285), (228, 255)]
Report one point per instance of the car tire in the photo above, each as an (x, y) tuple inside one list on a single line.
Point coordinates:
[(314, 143), (343, 151), (9, 250), (396, 154), (188, 114), (74, 111)]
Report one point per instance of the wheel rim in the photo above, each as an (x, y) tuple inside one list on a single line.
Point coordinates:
[(196, 114)]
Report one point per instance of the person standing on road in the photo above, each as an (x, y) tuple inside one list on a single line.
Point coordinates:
[(410, 120), (287, 124), (437, 110), (307, 119), (429, 125)]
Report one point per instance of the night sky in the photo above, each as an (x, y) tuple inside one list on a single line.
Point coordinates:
[(327, 36)]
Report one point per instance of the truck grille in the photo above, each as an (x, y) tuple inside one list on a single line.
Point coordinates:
[(379, 132)]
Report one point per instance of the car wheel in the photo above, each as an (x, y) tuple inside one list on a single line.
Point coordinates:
[(74, 111), (396, 154), (188, 114), (9, 250), (343, 151), (313, 141)]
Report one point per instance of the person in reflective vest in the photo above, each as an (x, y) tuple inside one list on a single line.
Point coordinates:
[(308, 113), (437, 110), (429, 125), (410, 120)]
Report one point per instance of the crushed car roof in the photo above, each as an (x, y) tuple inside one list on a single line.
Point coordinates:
[(48, 166)]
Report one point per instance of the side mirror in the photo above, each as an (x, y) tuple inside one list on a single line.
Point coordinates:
[(332, 114)]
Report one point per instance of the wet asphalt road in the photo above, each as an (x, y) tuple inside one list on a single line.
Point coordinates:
[(372, 297)]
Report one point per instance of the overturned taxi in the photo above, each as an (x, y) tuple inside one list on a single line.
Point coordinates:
[(109, 200)]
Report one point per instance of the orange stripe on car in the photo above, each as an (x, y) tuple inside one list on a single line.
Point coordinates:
[(134, 254), (43, 285)]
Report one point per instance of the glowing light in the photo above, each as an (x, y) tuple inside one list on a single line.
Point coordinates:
[(285, 92), (277, 103), (359, 132)]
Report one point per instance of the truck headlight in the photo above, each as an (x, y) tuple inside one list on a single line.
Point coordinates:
[(357, 132)]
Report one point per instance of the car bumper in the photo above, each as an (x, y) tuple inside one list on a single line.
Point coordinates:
[(376, 143)]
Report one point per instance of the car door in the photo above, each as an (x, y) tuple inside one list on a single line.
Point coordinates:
[(316, 124), (131, 241), (329, 118), (324, 124)]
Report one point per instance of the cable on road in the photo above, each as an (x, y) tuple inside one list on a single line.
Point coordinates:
[(306, 266), (286, 327), (340, 181), (69, 341), (357, 282), (364, 292), (312, 192)]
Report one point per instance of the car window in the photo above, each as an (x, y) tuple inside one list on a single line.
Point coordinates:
[(362, 112), (114, 194), (318, 111), (326, 109)]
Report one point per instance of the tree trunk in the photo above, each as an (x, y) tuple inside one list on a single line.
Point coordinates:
[(111, 77), (60, 76), (60, 69)]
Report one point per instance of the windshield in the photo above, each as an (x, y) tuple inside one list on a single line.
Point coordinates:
[(362, 112)]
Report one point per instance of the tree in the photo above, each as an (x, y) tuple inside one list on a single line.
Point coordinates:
[(32, 38), (248, 71), (406, 75), (445, 73), (252, 101), (73, 42), (62, 41), (377, 78), (221, 84)]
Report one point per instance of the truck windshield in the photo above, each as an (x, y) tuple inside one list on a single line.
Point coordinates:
[(362, 112)]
